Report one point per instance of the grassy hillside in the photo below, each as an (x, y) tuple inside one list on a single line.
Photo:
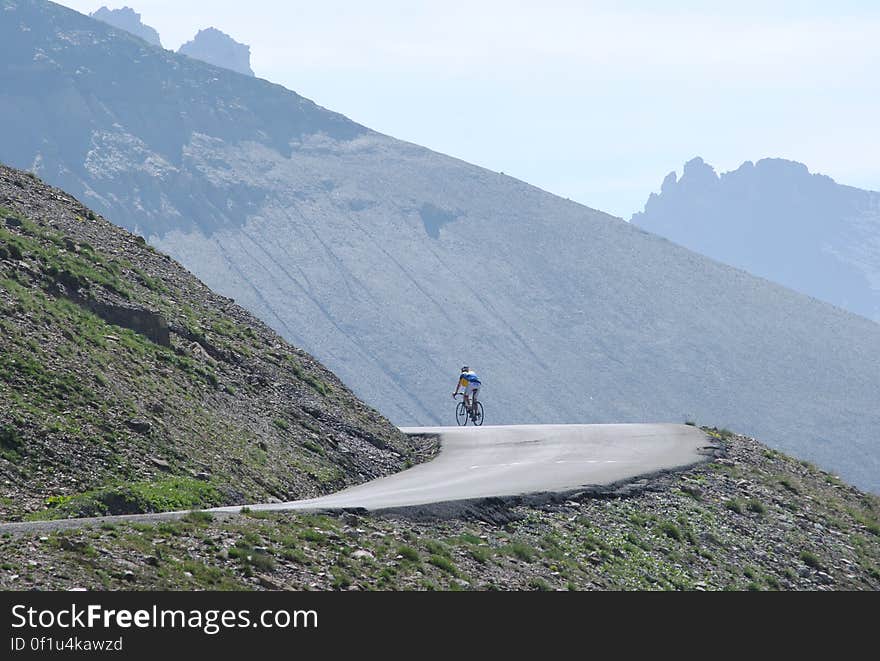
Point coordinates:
[(752, 520), (126, 385)]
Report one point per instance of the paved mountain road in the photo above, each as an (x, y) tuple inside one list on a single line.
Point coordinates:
[(481, 462)]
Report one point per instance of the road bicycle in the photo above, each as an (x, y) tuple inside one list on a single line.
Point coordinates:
[(463, 414)]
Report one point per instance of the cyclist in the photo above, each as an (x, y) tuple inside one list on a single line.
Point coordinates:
[(470, 383)]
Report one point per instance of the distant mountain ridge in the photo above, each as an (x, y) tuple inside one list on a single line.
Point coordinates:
[(394, 265), (775, 219), (208, 45)]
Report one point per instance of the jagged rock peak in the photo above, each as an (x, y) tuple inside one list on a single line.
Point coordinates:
[(697, 169), (129, 20), (218, 48)]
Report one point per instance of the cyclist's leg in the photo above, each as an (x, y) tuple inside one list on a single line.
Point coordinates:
[(474, 402)]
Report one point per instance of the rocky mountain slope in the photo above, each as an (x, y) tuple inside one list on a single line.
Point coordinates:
[(127, 385), (775, 219), (754, 519), (394, 265)]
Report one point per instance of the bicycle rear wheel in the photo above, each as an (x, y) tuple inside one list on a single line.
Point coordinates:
[(478, 415), (461, 414)]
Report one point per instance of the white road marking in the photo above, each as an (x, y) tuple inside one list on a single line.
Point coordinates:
[(545, 463)]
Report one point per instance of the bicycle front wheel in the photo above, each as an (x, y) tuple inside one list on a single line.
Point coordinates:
[(478, 414), (461, 414)]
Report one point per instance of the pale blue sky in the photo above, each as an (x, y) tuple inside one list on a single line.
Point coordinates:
[(595, 101)]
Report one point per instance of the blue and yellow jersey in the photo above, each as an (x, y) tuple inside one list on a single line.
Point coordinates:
[(468, 377)]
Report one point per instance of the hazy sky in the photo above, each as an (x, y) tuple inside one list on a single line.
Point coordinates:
[(596, 101)]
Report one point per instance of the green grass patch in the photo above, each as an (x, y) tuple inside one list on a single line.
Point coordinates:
[(312, 535), (436, 548), (869, 517), (409, 554), (316, 384), (320, 521), (198, 517), (249, 557), (520, 551), (671, 530), (479, 553), (811, 560), (694, 492), (11, 443), (151, 283), (169, 494), (756, 506), (443, 563), (76, 270), (208, 577), (295, 555), (311, 446), (540, 585), (263, 515), (73, 545), (341, 579), (53, 389), (789, 485), (468, 538)]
